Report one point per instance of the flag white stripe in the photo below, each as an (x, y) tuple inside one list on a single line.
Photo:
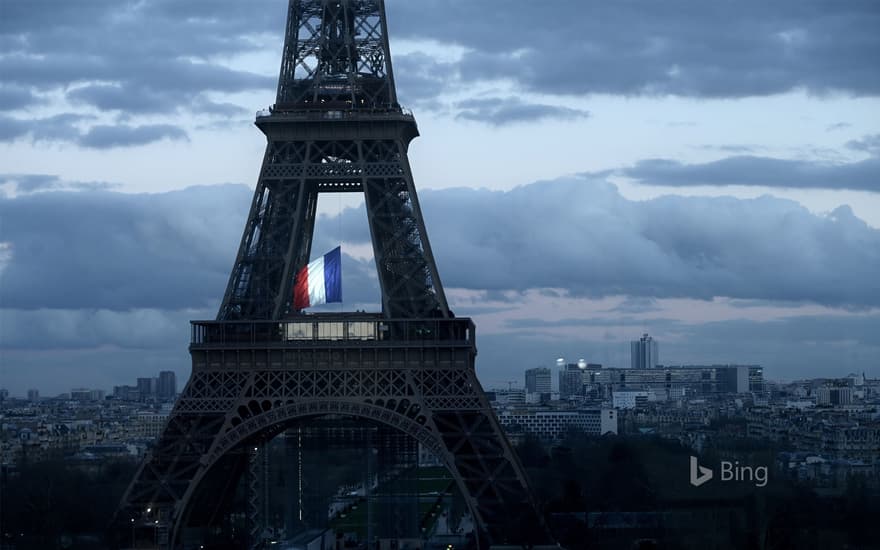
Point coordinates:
[(317, 292)]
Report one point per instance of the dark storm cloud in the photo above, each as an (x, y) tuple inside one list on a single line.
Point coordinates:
[(140, 57), (224, 109), (70, 329), (16, 97), (511, 110), (805, 330), (178, 76), (859, 329), (175, 250), (532, 323), (762, 171), (12, 128), (636, 304), (201, 28), (63, 127), (30, 183), (116, 98), (118, 251), (67, 128), (868, 144), (160, 56), (583, 237), (420, 78), (680, 47), (106, 137)]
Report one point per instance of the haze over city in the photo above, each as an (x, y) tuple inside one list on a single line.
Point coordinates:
[(588, 172)]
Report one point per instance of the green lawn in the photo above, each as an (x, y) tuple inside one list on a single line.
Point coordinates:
[(425, 480)]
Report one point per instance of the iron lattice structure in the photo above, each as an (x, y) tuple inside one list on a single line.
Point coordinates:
[(336, 126)]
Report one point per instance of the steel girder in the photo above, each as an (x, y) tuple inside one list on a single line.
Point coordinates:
[(239, 397), (299, 164), (336, 53)]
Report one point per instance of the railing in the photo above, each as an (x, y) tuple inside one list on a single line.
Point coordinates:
[(335, 113), (333, 329)]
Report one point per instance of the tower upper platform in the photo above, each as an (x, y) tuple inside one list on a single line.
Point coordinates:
[(336, 58)]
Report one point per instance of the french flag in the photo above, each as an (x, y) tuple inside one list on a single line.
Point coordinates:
[(320, 282)]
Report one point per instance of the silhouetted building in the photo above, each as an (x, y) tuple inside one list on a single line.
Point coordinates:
[(553, 425), (644, 353), (167, 385), (126, 393), (33, 395), (571, 381), (538, 380), (147, 388), (629, 399), (80, 394), (503, 398), (834, 395), (672, 382)]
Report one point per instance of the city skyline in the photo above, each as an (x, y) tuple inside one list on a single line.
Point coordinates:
[(540, 376), (656, 205)]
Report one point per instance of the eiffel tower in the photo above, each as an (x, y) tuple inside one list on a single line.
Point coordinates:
[(261, 366)]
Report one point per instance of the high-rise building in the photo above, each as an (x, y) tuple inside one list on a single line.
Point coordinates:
[(80, 394), (538, 380), (147, 388), (644, 353), (571, 381), (33, 395), (167, 385), (126, 393)]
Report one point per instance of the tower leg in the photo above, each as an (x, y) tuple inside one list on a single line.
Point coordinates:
[(256, 495), (421, 384)]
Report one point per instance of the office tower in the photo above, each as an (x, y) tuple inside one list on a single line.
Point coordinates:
[(167, 385), (146, 388), (644, 353), (571, 381), (538, 380)]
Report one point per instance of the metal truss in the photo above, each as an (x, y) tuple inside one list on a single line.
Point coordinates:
[(336, 54), (240, 396), (278, 234), (264, 366)]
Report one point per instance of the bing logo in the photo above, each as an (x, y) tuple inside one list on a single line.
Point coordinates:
[(699, 474), (730, 471)]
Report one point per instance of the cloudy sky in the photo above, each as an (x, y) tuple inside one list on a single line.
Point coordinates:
[(708, 172)]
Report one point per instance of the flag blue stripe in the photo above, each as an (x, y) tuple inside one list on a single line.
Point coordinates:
[(333, 275)]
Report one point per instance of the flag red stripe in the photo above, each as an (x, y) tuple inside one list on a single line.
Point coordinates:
[(301, 289)]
